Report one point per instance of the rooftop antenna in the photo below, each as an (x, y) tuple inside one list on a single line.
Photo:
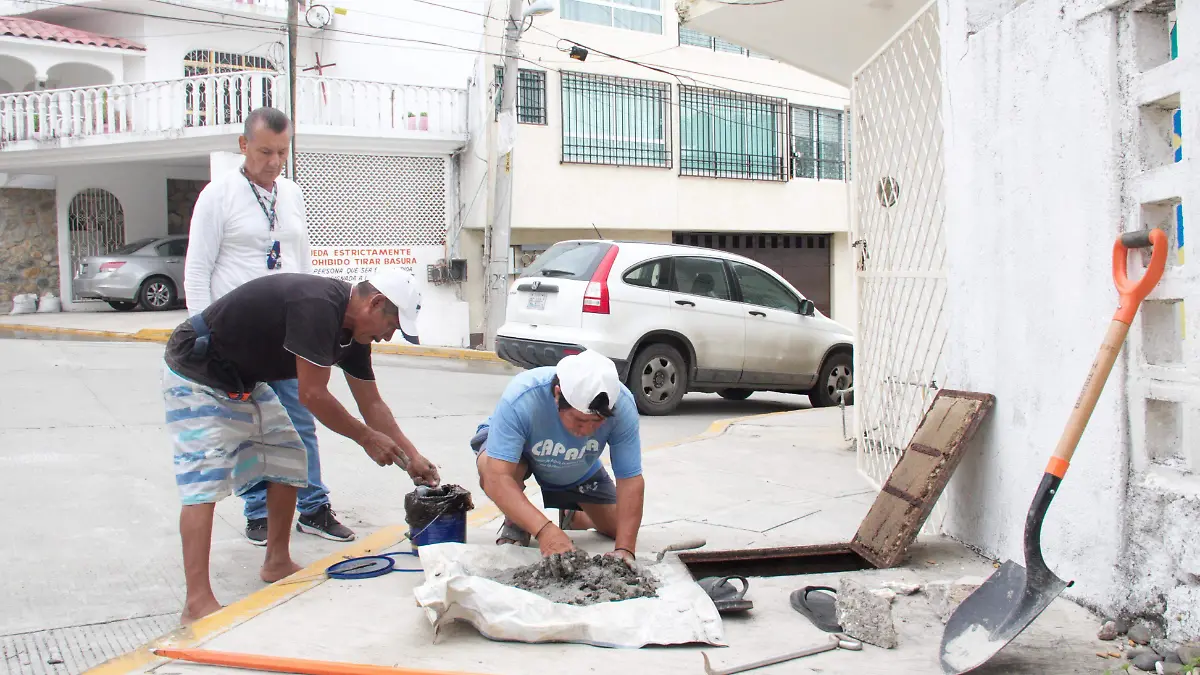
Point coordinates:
[(597, 231)]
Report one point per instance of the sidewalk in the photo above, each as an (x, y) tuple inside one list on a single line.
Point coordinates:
[(157, 327), (774, 480)]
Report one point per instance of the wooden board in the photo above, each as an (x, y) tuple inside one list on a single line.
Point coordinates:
[(914, 486)]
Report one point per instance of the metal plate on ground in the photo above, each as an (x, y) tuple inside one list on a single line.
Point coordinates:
[(914, 486)]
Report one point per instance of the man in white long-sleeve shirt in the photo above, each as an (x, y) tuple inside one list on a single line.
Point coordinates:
[(247, 224)]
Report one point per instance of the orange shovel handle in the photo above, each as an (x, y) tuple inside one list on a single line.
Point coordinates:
[(282, 664), (1132, 293)]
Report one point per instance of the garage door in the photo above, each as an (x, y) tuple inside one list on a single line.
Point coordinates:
[(803, 259)]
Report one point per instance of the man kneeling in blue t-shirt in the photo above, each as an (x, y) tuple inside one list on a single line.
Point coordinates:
[(552, 423)]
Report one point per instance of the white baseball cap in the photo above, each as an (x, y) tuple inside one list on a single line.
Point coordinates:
[(399, 286), (584, 376)]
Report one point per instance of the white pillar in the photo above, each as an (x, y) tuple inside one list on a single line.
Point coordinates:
[(222, 162)]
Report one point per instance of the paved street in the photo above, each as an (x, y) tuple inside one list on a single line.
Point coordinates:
[(93, 546)]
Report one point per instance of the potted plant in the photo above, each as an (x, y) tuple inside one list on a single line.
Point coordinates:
[(412, 121), (424, 126)]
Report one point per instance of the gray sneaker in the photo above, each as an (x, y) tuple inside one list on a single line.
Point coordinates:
[(256, 531), (322, 523)]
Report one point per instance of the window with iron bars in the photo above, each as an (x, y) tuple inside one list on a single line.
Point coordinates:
[(615, 120), (644, 16), (531, 95), (694, 38), (231, 94), (725, 134), (820, 144)]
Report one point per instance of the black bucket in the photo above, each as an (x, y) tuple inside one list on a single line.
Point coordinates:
[(437, 515)]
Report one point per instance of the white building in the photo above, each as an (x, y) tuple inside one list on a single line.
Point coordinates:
[(1000, 148), (124, 108), (661, 135)]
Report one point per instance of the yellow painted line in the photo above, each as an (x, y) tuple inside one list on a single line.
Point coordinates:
[(280, 592), (248, 607), (163, 334)]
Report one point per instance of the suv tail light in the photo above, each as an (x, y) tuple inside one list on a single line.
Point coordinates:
[(595, 299), (110, 266)]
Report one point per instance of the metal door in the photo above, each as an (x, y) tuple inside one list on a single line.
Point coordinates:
[(96, 222), (898, 220)]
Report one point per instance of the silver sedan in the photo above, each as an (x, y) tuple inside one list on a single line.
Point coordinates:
[(146, 273)]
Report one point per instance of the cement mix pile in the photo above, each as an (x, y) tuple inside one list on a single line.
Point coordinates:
[(576, 578)]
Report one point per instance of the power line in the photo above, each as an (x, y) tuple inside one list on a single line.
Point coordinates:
[(541, 65)]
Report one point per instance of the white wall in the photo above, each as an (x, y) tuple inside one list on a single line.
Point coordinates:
[(1033, 205), (64, 65), (141, 189)]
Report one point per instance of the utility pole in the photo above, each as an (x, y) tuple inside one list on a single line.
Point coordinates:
[(293, 22), (501, 227)]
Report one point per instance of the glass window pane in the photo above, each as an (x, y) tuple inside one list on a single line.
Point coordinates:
[(639, 21), (694, 38), (586, 12), (759, 288), (648, 275), (701, 276)]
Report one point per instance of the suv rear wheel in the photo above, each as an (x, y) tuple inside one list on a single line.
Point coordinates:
[(837, 374), (658, 379)]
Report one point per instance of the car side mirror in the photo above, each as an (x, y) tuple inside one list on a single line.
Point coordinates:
[(807, 307)]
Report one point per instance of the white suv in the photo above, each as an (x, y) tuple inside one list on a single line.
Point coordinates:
[(675, 319)]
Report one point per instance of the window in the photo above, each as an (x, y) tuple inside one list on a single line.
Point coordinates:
[(817, 143), (644, 16), (653, 274), (173, 249), (701, 276), (727, 134), (568, 260), (531, 95), (760, 288), (209, 62), (694, 38), (615, 120), (237, 96)]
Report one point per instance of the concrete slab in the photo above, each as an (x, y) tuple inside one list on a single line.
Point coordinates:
[(376, 621), (93, 567)]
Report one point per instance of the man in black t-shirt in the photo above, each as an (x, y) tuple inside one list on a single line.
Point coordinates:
[(229, 429)]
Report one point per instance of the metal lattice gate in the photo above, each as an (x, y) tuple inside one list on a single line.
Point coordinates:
[(898, 218), (374, 200), (96, 222)]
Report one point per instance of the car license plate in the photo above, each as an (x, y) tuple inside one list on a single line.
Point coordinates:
[(537, 301)]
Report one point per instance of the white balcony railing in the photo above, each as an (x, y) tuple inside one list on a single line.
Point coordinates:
[(220, 103)]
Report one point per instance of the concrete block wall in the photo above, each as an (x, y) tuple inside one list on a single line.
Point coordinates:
[(1162, 557)]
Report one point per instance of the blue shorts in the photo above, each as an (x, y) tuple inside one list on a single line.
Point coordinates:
[(599, 488)]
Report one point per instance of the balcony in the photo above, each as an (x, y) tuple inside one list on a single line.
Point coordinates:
[(198, 114), (274, 9)]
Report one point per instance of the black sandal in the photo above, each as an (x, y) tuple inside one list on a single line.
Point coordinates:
[(819, 605), (725, 595)]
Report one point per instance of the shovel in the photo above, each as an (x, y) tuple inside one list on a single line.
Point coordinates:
[(1014, 595)]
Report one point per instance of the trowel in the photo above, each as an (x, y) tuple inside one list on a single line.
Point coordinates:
[(1015, 595)]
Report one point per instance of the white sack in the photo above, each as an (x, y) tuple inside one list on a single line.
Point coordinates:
[(681, 614), (24, 304)]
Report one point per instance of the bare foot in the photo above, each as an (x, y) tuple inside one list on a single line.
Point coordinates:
[(197, 610), (274, 571)]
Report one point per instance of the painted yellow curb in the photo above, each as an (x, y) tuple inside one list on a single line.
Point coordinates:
[(164, 334), (248, 607)]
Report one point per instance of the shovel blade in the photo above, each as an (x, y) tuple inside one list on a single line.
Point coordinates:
[(995, 614)]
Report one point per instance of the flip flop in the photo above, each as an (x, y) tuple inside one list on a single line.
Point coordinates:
[(511, 533), (725, 595), (819, 605)]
